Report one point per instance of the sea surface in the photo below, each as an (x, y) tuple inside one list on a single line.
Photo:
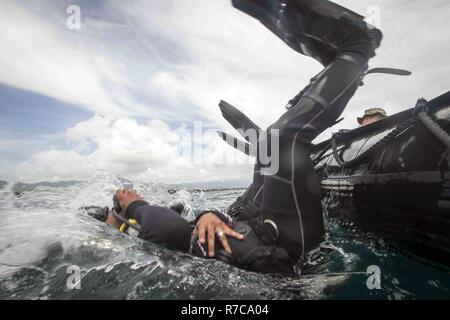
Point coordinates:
[(46, 240)]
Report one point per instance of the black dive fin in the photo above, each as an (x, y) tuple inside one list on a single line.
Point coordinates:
[(238, 144), (397, 72), (289, 21), (237, 119)]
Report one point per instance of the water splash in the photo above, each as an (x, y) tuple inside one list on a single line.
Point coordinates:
[(43, 233)]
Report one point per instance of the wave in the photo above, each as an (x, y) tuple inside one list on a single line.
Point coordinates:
[(44, 235)]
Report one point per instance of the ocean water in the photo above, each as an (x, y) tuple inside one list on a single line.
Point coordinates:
[(44, 236)]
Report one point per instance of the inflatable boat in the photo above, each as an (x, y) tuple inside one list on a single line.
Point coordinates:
[(393, 178)]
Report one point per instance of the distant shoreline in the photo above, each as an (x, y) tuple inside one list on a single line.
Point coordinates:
[(20, 187)]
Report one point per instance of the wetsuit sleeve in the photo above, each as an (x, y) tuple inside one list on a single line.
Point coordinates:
[(161, 225)]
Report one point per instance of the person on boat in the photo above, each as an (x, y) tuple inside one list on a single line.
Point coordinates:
[(371, 115), (278, 220)]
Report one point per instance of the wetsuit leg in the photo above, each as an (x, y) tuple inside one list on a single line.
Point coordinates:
[(291, 197)]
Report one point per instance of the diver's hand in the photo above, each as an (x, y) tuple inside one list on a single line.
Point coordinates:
[(126, 197), (208, 226), (112, 221)]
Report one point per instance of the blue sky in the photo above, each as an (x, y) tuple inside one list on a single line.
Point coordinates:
[(77, 101), (29, 115)]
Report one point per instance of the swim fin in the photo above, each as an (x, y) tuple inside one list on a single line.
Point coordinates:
[(300, 24), (392, 71), (238, 144), (238, 120)]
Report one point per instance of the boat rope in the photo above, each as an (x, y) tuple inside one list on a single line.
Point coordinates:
[(421, 111)]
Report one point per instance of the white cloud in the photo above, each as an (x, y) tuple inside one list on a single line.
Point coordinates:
[(150, 152), (37, 57), (233, 58)]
